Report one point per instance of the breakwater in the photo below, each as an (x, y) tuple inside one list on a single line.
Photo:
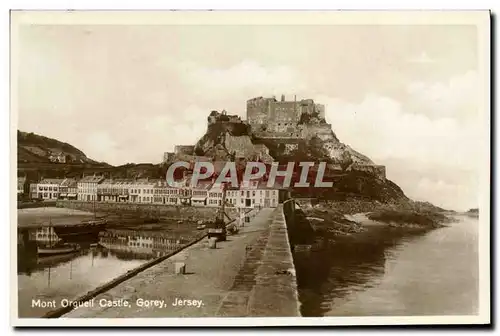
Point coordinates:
[(250, 274), (275, 292), (27, 205)]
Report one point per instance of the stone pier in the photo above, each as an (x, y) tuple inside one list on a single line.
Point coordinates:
[(250, 274)]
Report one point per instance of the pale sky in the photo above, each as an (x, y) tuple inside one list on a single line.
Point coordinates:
[(406, 96)]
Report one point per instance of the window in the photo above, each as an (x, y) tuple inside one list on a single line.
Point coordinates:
[(242, 193), (253, 200), (248, 194), (253, 193)]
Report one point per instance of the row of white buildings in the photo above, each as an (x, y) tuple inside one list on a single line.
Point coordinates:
[(205, 193)]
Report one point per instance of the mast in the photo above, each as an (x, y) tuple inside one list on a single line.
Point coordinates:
[(71, 268), (93, 206), (50, 232), (49, 276), (221, 212)]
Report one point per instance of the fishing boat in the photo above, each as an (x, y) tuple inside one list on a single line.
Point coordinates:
[(85, 231), (53, 260), (58, 249)]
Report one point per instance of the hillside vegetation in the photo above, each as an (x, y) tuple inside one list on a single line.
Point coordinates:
[(34, 148)]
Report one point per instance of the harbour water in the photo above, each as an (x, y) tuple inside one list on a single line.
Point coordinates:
[(66, 277), (392, 272), (57, 278)]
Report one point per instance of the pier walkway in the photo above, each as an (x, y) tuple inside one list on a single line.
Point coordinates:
[(250, 274)]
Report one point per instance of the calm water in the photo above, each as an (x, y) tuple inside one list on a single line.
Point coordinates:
[(386, 271), (68, 276)]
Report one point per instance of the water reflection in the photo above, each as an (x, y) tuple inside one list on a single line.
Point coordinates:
[(67, 276), (346, 265), (129, 245), (386, 271)]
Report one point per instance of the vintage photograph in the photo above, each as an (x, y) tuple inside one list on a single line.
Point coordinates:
[(250, 165)]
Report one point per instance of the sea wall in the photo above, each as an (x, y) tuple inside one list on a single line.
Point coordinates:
[(275, 292), (27, 205), (161, 210)]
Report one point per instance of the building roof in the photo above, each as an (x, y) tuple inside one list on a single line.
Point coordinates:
[(91, 179), (69, 182), (145, 182), (217, 187), (123, 182), (51, 181), (277, 185), (203, 185)]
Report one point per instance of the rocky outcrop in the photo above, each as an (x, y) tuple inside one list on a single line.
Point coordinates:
[(230, 138)]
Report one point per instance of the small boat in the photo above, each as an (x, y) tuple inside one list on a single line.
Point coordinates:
[(201, 227), (57, 250)]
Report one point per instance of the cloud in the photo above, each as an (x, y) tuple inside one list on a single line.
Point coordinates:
[(451, 196), (386, 129), (456, 98), (245, 79), (422, 58)]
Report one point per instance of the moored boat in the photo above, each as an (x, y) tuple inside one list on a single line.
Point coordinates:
[(84, 232)]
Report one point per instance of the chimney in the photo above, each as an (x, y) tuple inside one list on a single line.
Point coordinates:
[(282, 97)]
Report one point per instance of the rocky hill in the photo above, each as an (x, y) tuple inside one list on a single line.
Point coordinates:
[(355, 175), (34, 148)]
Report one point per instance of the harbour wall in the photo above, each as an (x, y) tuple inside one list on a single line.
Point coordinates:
[(153, 210), (275, 292)]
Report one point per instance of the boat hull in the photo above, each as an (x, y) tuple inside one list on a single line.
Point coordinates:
[(86, 232), (44, 252)]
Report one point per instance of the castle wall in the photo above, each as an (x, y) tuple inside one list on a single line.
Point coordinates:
[(280, 116), (320, 109), (323, 131), (258, 110), (184, 149)]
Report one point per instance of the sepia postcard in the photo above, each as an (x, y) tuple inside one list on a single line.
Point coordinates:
[(259, 168)]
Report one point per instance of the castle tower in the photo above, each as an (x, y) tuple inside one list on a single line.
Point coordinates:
[(282, 97)]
